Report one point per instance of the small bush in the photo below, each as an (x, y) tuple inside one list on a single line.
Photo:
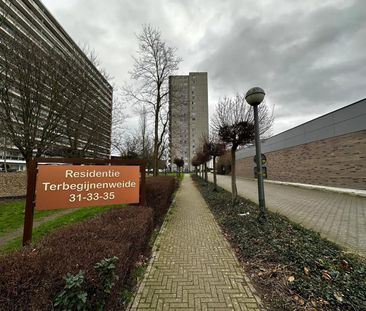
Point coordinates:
[(31, 278), (294, 267), (72, 297), (159, 192), (107, 279)]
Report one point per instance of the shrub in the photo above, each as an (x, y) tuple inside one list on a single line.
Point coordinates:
[(107, 279), (294, 267), (159, 192), (31, 278), (72, 297)]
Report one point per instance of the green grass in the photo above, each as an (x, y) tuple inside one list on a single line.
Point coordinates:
[(179, 176), (12, 215), (56, 223)]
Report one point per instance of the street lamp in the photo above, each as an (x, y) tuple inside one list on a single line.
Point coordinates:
[(254, 97)]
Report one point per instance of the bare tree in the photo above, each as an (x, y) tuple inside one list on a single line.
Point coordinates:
[(163, 141), (163, 152), (86, 119), (204, 154), (143, 129), (233, 122), (196, 163), (119, 129), (135, 141), (35, 93), (49, 99), (200, 160), (214, 148), (93, 57), (154, 63), (179, 162), (203, 157), (223, 165), (144, 139), (3, 15), (127, 147), (206, 158)]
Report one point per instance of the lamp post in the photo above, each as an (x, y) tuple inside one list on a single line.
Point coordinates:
[(254, 97)]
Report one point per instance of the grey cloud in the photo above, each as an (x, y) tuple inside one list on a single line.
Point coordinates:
[(281, 56), (309, 56)]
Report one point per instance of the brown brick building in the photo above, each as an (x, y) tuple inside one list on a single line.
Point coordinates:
[(329, 150)]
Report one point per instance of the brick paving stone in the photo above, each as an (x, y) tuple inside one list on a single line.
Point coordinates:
[(339, 217), (194, 267)]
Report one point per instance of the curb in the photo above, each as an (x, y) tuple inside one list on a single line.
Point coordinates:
[(354, 192), (154, 254), (13, 197)]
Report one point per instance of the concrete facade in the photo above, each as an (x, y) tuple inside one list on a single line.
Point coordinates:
[(188, 108), (34, 20), (329, 151)]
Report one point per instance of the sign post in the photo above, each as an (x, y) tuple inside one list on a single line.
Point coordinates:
[(263, 159), (30, 202), (264, 168), (90, 183)]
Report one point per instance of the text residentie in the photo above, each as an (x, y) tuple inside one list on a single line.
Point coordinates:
[(87, 185)]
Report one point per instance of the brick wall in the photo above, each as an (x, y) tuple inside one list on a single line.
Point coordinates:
[(338, 161), (13, 184)]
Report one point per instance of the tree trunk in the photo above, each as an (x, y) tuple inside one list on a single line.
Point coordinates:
[(5, 155), (234, 191), (206, 179), (214, 172), (143, 146), (156, 137), (28, 161)]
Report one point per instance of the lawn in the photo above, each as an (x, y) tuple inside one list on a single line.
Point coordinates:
[(51, 225), (292, 267), (12, 215), (179, 176)]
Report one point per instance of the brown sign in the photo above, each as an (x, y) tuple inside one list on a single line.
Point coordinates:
[(66, 186)]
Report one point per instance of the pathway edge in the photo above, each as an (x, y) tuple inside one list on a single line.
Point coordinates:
[(154, 253)]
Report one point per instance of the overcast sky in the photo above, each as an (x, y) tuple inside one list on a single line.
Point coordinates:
[(309, 56)]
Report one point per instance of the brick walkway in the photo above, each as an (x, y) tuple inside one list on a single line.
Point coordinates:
[(339, 217), (194, 267)]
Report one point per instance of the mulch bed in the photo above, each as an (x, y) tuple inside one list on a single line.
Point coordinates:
[(30, 278), (292, 268)]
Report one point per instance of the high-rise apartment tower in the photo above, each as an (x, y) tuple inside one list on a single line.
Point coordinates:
[(188, 108), (30, 18)]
